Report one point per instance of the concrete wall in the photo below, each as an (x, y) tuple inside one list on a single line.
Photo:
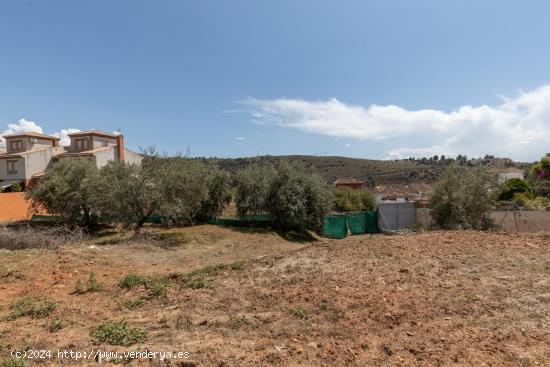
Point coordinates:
[(100, 142), (36, 162), (132, 157), (13, 207), (103, 157), (518, 221)]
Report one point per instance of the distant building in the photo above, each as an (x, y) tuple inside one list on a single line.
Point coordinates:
[(350, 182), (509, 173), (26, 157), (101, 147)]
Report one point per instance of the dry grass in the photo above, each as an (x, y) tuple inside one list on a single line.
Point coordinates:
[(27, 237), (437, 298)]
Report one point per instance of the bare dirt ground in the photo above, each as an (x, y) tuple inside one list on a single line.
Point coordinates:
[(432, 299)]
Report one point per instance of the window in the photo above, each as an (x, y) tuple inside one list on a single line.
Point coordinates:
[(81, 144), (16, 145), (12, 167)]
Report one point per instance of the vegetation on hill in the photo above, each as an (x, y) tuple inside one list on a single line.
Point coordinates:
[(373, 172)]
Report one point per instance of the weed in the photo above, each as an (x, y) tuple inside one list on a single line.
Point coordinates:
[(157, 288), (199, 283), (450, 265), (163, 321), (209, 270), (237, 265), (323, 305), (470, 297), (298, 312), (13, 362), (78, 287), (547, 267), (118, 333), (134, 303), (132, 280), (235, 322), (92, 284), (25, 307), (55, 325)]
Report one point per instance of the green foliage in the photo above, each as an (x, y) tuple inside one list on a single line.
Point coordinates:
[(461, 199), (199, 283), (349, 200), (24, 307), (237, 265), (511, 187), (529, 202), (219, 194), (298, 312), (252, 185), (156, 287), (132, 280), (184, 186), (13, 362), (92, 285), (16, 187), (130, 193), (236, 322), (297, 199), (69, 188), (55, 325), (118, 333)]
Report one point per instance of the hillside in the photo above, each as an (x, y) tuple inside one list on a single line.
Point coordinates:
[(378, 172)]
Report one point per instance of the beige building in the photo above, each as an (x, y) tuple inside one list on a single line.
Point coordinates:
[(101, 147), (27, 155), (508, 173)]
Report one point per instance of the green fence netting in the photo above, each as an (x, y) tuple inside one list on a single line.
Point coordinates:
[(249, 220), (335, 226)]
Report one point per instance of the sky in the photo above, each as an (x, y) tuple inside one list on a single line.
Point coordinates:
[(371, 79)]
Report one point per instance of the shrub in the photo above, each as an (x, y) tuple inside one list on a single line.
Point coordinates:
[(350, 200), (461, 199), (13, 362), (69, 188), (118, 333), (24, 307), (132, 280), (251, 186), (55, 325), (19, 238), (130, 193), (511, 187), (218, 195), (16, 187), (296, 199)]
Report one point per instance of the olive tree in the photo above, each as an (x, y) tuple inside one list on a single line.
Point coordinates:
[(70, 187), (461, 199), (252, 185), (297, 199), (130, 192)]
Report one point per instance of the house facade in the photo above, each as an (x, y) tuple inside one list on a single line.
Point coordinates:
[(27, 155), (99, 146)]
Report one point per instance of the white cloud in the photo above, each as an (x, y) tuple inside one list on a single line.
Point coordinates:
[(518, 127), (63, 135), (240, 138)]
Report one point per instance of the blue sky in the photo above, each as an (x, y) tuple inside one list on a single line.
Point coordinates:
[(372, 79)]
